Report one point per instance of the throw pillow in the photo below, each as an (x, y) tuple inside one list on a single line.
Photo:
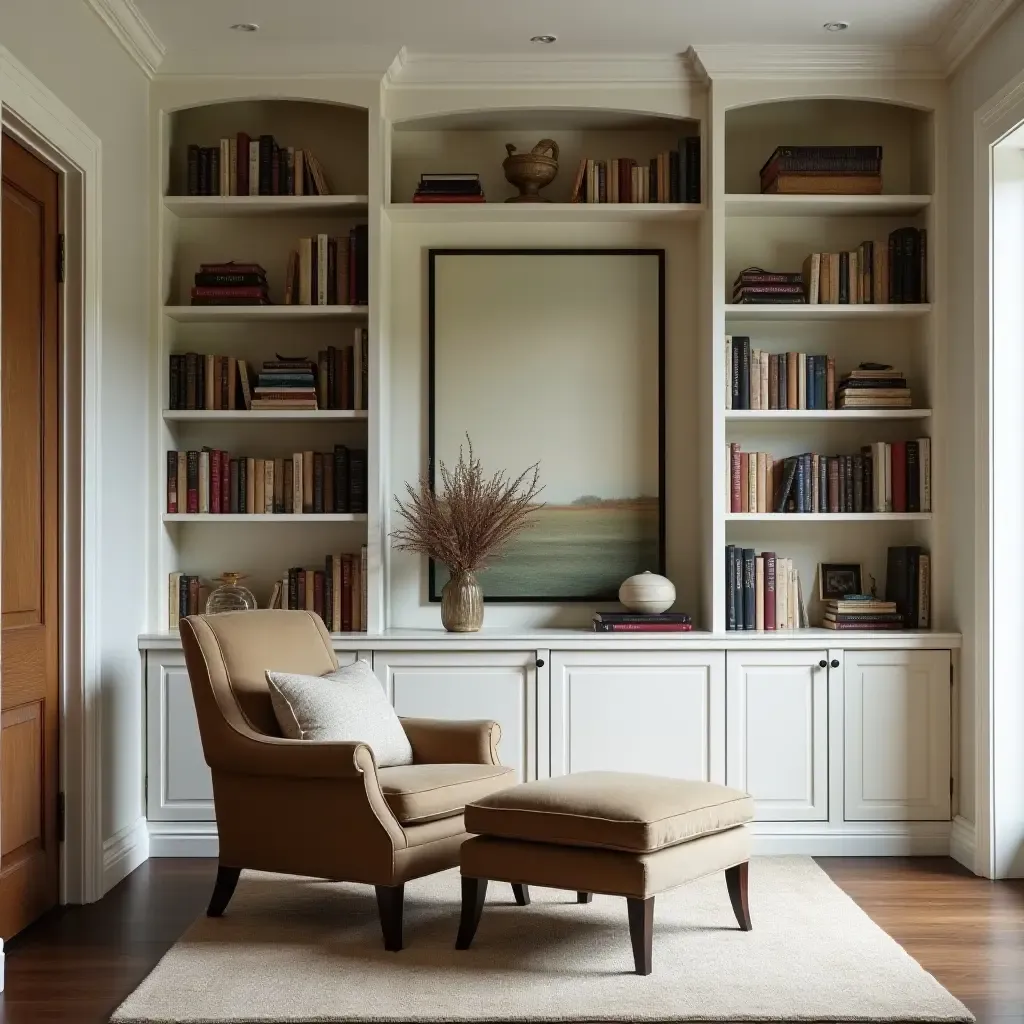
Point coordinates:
[(347, 705)]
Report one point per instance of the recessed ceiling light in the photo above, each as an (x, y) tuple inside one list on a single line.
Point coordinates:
[(245, 26), (543, 39), (836, 26)]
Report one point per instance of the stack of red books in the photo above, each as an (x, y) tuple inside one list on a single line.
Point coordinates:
[(639, 622), (230, 284)]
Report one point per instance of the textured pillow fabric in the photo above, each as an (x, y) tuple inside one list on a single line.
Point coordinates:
[(347, 705)]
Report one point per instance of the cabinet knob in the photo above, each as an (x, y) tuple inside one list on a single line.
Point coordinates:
[(823, 663), (540, 663), (834, 663)]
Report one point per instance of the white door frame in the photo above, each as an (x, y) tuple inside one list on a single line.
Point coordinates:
[(998, 631), (29, 111)]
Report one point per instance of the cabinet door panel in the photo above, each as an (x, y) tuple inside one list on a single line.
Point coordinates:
[(656, 712), (470, 685), (896, 725), (777, 741)]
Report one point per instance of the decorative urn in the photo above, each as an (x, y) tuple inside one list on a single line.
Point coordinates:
[(530, 172), (647, 593)]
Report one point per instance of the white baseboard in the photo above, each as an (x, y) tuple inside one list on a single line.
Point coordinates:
[(872, 839), (183, 839), (123, 852), (961, 842)]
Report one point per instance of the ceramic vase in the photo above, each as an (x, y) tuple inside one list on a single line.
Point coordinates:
[(462, 604), (647, 592)]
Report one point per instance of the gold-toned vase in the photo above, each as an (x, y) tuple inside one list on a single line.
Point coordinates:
[(462, 604), (530, 172)]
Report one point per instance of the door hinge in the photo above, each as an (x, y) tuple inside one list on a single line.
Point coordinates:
[(60, 259), (60, 817)]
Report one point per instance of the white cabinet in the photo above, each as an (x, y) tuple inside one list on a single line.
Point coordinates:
[(661, 712), (470, 684), (896, 735), (777, 737)]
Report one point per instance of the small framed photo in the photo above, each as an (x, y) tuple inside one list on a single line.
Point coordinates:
[(836, 581)]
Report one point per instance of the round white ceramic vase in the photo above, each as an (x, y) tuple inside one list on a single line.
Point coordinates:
[(647, 592)]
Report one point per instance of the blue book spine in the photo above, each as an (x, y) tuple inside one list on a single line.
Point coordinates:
[(749, 597), (819, 382)]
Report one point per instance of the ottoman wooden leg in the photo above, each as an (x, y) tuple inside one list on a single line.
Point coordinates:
[(641, 932), (736, 882), (473, 892), (584, 897), (521, 893)]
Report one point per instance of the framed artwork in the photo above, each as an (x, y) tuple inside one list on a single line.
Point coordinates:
[(556, 356), (837, 580)]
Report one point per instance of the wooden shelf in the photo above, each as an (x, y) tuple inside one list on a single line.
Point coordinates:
[(249, 314), (264, 517), (777, 415), (264, 206), (753, 205), (539, 213), (826, 517), (261, 415), (818, 311)]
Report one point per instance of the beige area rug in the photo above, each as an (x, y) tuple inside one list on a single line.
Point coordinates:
[(302, 950)]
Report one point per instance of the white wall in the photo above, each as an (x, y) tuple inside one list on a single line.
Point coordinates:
[(988, 69), (69, 49)]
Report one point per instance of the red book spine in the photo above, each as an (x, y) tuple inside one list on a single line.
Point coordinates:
[(215, 482), (769, 590), (318, 593), (734, 475), (899, 476), (346, 593), (646, 627), (254, 291), (172, 482), (225, 482), (301, 595)]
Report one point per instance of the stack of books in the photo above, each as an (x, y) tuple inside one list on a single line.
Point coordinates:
[(212, 482), (230, 284), (756, 379), (449, 188), (635, 622), (762, 591), (856, 611), (329, 270), (873, 386), (285, 384), (244, 166), (908, 577), (337, 593), (893, 270), (672, 177), (755, 285), (823, 170)]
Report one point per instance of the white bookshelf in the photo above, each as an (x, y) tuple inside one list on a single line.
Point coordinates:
[(754, 205), (829, 415), (263, 206), (261, 415), (540, 213), (819, 311), (827, 517), (279, 519), (260, 314)]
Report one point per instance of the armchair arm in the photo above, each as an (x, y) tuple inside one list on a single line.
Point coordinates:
[(438, 741)]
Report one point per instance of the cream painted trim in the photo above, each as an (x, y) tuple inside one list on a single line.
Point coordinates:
[(961, 842), (30, 111), (749, 60), (967, 26), (132, 31), (124, 851)]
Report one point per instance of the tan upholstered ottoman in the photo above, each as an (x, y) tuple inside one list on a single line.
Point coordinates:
[(606, 832)]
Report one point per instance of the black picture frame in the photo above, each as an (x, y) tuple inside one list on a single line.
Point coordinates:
[(433, 591), (831, 573)]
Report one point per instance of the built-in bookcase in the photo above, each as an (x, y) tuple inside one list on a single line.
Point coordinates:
[(260, 229)]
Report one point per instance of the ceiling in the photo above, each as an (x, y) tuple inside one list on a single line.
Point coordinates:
[(365, 35)]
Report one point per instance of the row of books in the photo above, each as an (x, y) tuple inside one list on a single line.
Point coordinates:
[(908, 580), (230, 284), (244, 166), (212, 481), (823, 170), (762, 591), (337, 593), (671, 177), (449, 188), (892, 271), (874, 386), (882, 477), (757, 379), (329, 270), (633, 622)]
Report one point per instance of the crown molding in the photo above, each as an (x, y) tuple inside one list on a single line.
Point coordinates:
[(969, 23), (461, 71), (132, 31), (748, 60)]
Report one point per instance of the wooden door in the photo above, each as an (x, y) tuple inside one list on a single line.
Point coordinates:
[(29, 524), (777, 743)]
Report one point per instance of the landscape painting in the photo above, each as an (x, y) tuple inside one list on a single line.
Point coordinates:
[(555, 357)]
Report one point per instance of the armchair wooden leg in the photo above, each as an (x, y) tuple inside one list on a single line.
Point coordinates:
[(584, 897), (736, 883), (473, 892), (223, 890), (389, 906), (641, 932), (521, 893)]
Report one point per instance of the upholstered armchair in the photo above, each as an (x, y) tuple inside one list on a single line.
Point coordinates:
[(323, 809)]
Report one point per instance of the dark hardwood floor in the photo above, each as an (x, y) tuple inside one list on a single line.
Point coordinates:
[(76, 964)]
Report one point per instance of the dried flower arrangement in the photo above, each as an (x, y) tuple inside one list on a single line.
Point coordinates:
[(464, 524)]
